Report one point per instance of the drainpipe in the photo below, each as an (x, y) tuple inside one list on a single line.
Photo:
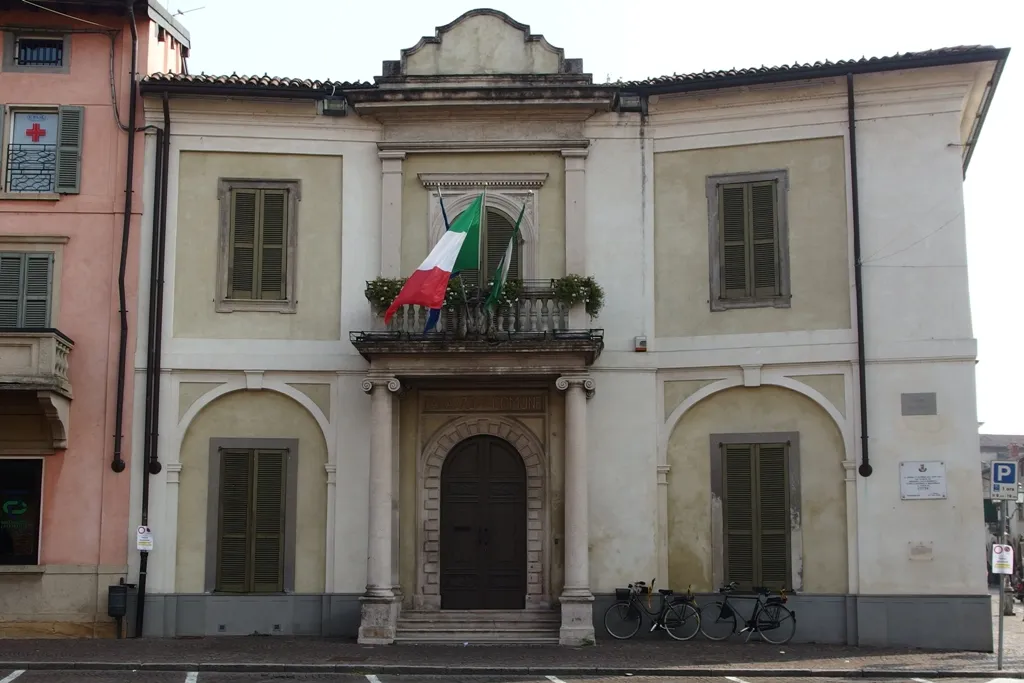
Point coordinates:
[(865, 468), (118, 464), (153, 344)]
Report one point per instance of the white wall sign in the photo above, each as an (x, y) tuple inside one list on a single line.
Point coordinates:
[(144, 539), (1002, 559), (922, 480)]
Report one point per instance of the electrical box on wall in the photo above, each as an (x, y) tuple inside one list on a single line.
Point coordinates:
[(639, 344)]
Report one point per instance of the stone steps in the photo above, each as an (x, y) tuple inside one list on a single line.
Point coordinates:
[(479, 627)]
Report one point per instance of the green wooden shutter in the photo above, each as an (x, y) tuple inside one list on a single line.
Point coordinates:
[(10, 289), (737, 461), (732, 216), (764, 252), (70, 125), (499, 231), (233, 541), (272, 244), (772, 516), (242, 254), (268, 522), (37, 284)]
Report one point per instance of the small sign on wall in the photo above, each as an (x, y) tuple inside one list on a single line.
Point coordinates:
[(922, 480), (1002, 559), (144, 539)]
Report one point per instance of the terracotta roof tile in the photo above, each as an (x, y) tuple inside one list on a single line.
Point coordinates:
[(264, 81)]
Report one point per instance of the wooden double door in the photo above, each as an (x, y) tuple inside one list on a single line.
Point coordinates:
[(483, 526)]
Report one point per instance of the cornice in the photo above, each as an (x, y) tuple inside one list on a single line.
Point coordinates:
[(532, 181)]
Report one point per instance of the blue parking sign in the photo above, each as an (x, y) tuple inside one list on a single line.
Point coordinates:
[(1004, 479)]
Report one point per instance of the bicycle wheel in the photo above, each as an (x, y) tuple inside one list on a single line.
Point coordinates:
[(717, 621), (778, 621), (682, 621), (622, 620)]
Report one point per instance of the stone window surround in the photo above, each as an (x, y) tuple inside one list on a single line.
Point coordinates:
[(11, 37), (506, 192), (53, 244), (428, 505), (225, 186), (717, 497), (780, 176), (291, 448)]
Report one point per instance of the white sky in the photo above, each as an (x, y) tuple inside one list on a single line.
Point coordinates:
[(345, 40)]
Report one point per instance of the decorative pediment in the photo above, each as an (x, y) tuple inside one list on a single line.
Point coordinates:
[(482, 42)]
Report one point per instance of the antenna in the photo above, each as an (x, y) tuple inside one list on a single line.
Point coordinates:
[(179, 12)]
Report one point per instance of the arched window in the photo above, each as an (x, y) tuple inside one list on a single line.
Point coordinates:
[(494, 236)]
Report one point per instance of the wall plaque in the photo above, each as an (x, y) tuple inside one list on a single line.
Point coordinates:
[(484, 404)]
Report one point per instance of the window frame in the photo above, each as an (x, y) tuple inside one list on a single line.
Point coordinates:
[(10, 40), (39, 521), (712, 188), (794, 537), (225, 188), (482, 276), (290, 447), (23, 295)]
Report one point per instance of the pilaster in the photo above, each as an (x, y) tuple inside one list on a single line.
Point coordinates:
[(391, 213)]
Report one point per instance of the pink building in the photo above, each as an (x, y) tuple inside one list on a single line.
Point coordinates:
[(70, 173)]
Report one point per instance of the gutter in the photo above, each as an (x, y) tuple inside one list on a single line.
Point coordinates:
[(986, 102), (171, 88)]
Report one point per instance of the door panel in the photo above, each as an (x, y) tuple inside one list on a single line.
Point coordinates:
[(483, 526)]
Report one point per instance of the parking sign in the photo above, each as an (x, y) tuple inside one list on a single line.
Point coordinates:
[(1004, 479)]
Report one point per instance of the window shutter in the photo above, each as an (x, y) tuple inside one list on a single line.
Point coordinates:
[(70, 122), (499, 231), (233, 540), (2, 178), (242, 269), (733, 234), (38, 279), (268, 522), (10, 290), (272, 244), (773, 515), (764, 239), (739, 522)]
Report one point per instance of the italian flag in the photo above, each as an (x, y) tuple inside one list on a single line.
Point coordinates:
[(457, 250)]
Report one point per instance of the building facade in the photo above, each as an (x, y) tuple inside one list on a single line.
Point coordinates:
[(66, 90), (323, 473)]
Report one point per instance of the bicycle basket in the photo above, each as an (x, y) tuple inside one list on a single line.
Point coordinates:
[(622, 594)]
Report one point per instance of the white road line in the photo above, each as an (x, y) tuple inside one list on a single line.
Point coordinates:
[(554, 679), (734, 679), (372, 678), (920, 680), (190, 677), (10, 677)]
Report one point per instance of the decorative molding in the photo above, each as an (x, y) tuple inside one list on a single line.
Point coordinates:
[(392, 384), (173, 470), (391, 155), (332, 472), (254, 380), (479, 180), (56, 408), (576, 153), (751, 375), (430, 146), (34, 239), (566, 382), (663, 471)]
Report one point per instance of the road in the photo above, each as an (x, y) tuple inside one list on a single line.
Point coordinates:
[(210, 677)]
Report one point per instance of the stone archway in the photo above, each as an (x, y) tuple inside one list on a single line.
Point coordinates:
[(428, 510)]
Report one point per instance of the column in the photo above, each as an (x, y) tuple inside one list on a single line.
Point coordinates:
[(391, 213), (379, 610), (577, 600)]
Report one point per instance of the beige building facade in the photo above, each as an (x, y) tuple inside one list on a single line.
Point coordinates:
[(326, 474)]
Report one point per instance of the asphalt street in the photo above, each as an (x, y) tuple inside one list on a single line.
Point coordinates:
[(211, 677)]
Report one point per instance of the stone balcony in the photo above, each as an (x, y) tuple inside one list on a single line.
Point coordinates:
[(535, 334), (35, 387)]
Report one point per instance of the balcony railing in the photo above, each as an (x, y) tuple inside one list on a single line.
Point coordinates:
[(534, 313), (35, 359), (31, 168)]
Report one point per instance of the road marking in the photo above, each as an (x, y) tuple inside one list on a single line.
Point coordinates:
[(554, 679), (920, 680), (12, 676), (372, 678), (734, 679), (190, 677)]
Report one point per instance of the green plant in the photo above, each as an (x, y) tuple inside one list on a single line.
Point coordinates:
[(573, 290), (509, 293), (381, 291)]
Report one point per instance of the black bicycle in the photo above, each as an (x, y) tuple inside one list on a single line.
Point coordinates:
[(677, 614), (770, 616)]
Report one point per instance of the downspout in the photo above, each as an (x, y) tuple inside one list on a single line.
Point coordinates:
[(865, 468), (118, 464), (153, 344)]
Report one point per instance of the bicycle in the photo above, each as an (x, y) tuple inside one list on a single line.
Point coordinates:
[(768, 616), (678, 615)]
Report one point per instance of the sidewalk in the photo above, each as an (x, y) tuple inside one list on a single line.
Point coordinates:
[(653, 656)]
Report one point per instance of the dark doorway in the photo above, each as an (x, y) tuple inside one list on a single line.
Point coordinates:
[(483, 526)]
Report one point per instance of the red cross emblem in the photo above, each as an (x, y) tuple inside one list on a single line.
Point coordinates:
[(35, 132)]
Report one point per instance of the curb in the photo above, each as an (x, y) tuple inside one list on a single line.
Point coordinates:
[(445, 670)]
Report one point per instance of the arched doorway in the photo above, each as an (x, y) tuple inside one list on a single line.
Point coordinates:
[(483, 526)]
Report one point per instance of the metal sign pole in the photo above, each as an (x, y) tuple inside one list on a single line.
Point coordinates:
[(1002, 589)]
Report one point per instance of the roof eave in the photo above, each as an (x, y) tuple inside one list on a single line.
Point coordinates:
[(986, 102), (236, 91)]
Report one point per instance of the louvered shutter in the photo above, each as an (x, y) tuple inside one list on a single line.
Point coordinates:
[(233, 542), (732, 214), (273, 224), (268, 522), (70, 129), (242, 255), (773, 516), (499, 231), (764, 239), (10, 290), (737, 460), (37, 282)]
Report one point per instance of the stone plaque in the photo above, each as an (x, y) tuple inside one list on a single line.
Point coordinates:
[(918, 404), (494, 403)]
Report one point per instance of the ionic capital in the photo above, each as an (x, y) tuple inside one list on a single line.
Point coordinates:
[(391, 383), (584, 382)]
